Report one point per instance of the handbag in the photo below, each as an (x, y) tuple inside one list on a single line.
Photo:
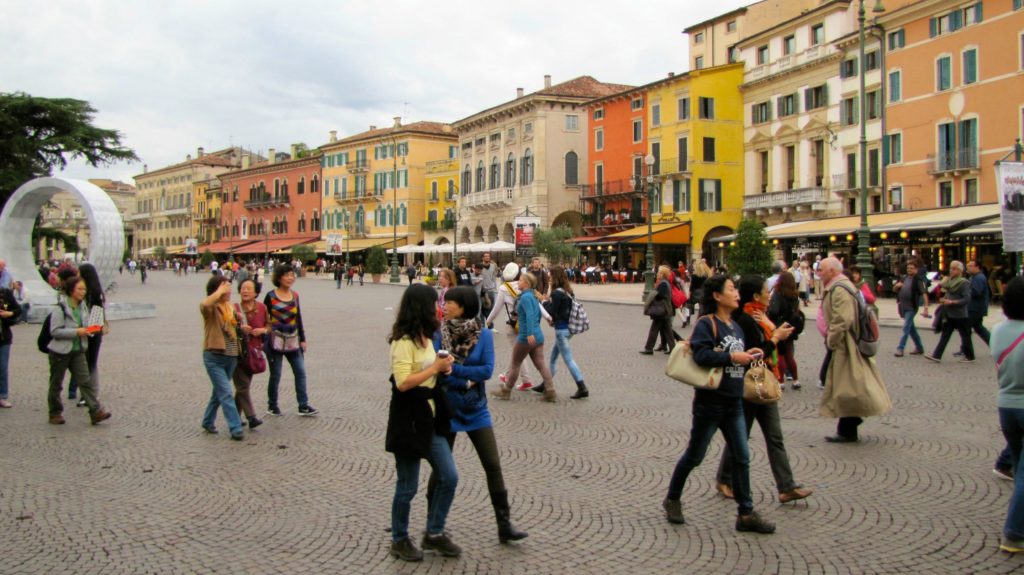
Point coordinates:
[(760, 385), (683, 367), (283, 342), (253, 360), (653, 305)]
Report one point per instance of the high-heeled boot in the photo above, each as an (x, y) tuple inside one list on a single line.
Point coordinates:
[(581, 391), (506, 531)]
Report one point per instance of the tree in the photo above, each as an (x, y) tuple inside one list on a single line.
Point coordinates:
[(376, 261), (160, 253), (752, 253), (206, 258), (554, 243), (304, 253), (39, 134)]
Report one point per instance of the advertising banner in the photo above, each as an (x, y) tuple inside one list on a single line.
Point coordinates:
[(1010, 189), (334, 244), (191, 246), (525, 227)]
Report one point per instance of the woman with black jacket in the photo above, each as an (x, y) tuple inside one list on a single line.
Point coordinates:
[(10, 311), (559, 306), (717, 341), (784, 307), (661, 321), (760, 332)]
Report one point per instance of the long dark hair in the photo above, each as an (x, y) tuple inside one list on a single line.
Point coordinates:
[(559, 279), (417, 314), (93, 285), (786, 286), (713, 285)]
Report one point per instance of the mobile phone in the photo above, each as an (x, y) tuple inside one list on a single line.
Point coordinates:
[(755, 355), (443, 353)]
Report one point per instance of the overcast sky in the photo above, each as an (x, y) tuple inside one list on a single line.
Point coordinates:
[(175, 75)]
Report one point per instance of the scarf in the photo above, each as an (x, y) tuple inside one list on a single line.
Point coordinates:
[(459, 336), (228, 320), (768, 328)]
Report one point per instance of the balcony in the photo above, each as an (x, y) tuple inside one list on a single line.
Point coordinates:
[(268, 202), (435, 225), (954, 163), (357, 166), (488, 199), (612, 190), (789, 201), (139, 216), (789, 62), (344, 198), (176, 212)]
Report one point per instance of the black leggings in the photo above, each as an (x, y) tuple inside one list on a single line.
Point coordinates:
[(487, 450)]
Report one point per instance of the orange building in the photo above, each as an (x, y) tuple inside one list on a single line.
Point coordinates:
[(954, 92), (617, 143)]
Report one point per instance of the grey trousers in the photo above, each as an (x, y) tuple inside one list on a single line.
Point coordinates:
[(768, 419), (79, 366)]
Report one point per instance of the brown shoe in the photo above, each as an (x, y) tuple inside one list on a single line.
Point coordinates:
[(795, 494), (724, 490), (57, 419), (502, 392), (99, 415), (549, 393)]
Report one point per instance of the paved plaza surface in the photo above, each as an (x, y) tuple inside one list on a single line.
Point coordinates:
[(149, 492)]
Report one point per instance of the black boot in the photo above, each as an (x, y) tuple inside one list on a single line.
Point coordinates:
[(506, 531), (581, 391)]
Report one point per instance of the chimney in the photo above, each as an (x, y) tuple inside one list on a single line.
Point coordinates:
[(200, 152), (372, 127), (271, 155), (246, 159), (519, 92), (145, 168), (334, 135), (295, 151), (398, 122), (188, 157), (547, 81), (671, 74)]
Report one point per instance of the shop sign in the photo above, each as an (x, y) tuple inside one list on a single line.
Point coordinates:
[(1010, 188), (525, 227)]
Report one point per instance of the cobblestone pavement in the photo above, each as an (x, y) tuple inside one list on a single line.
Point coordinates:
[(148, 492)]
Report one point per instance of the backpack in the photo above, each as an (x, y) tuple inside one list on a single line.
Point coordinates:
[(45, 337), (579, 322), (513, 315), (867, 325)]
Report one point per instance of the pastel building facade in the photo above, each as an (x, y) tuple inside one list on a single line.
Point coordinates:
[(440, 194)]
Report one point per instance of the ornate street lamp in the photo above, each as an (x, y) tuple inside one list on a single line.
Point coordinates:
[(394, 209), (864, 260), (649, 264)]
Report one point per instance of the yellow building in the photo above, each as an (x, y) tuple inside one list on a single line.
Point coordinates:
[(376, 183), (439, 190), (206, 202), (696, 137), (65, 214)]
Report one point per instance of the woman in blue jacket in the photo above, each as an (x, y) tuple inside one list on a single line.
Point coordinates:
[(473, 349), (529, 342)]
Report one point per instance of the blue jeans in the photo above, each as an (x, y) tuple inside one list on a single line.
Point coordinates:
[(562, 337), (275, 361), (712, 412), (408, 478), (1012, 422), (5, 362), (910, 330), (219, 368)]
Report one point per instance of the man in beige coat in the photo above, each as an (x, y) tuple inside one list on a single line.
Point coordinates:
[(853, 386)]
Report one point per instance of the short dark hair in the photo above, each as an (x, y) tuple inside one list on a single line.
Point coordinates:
[(1013, 298), (750, 286), (248, 281), (69, 284), (712, 285), (278, 273), (214, 282), (467, 299)]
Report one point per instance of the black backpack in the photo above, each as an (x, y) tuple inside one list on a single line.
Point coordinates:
[(44, 339)]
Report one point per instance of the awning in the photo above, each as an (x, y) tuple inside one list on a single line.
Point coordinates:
[(224, 247), (665, 233), (674, 234), (275, 245), (147, 251), (174, 250), (989, 228), (499, 246), (940, 219)]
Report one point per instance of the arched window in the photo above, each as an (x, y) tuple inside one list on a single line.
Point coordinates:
[(315, 222), (495, 173), (390, 215), (302, 185), (480, 183), (302, 222), (284, 188), (526, 176), (360, 220), (572, 177), (451, 190), (467, 180), (284, 225), (510, 170), (432, 216), (402, 215), (314, 185), (433, 190)]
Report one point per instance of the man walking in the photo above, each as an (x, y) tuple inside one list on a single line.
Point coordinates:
[(543, 280), (853, 385), (954, 303), (488, 285), (978, 308)]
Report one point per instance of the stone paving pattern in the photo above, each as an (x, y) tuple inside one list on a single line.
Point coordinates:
[(149, 492)]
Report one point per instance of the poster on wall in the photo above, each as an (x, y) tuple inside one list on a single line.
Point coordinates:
[(1010, 184), (191, 246), (525, 227), (333, 244)]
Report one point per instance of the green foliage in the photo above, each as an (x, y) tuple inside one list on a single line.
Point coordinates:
[(127, 255), (304, 253), (752, 253), (554, 243), (69, 241), (376, 261), (302, 151), (160, 252), (40, 134), (206, 258)]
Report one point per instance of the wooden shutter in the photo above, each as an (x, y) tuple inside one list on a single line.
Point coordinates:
[(977, 12), (808, 94), (718, 195), (933, 27), (779, 112), (701, 204)]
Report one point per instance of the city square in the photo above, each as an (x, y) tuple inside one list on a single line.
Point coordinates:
[(149, 492)]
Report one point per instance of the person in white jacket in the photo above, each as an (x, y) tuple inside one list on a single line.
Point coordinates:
[(505, 301)]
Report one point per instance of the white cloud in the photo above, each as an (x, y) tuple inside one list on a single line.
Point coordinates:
[(172, 76)]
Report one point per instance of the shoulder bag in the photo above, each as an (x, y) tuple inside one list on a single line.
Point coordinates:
[(253, 361), (683, 367), (286, 342), (760, 385)]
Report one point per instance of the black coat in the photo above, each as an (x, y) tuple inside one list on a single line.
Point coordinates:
[(412, 424), (8, 303)]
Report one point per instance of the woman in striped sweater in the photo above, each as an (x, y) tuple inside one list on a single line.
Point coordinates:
[(287, 340)]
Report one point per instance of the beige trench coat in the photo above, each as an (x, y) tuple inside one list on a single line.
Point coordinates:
[(853, 386)]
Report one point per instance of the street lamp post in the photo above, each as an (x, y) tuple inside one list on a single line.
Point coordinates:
[(266, 243), (649, 257), (864, 260), (394, 210)]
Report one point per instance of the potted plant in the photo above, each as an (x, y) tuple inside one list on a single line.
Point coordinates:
[(376, 263)]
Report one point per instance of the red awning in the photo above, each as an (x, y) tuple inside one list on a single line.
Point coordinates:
[(224, 247), (261, 246)]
